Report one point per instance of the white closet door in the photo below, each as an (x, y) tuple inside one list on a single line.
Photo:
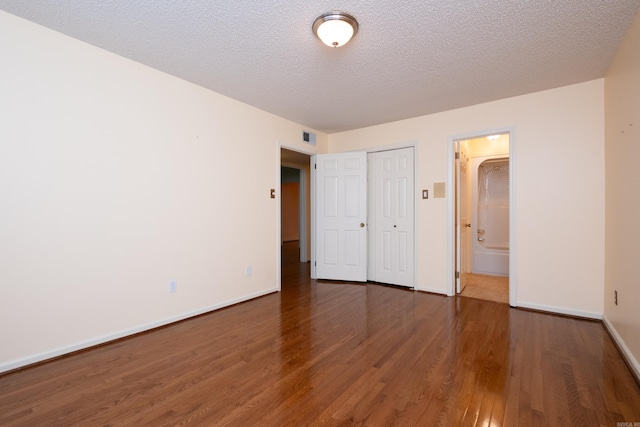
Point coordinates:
[(341, 216), (392, 211)]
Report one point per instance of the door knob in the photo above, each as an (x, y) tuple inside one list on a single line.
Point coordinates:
[(467, 225), (362, 224), (394, 226)]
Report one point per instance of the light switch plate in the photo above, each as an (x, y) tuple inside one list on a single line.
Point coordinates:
[(425, 194)]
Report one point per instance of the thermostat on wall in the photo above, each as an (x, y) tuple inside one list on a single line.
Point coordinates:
[(308, 137)]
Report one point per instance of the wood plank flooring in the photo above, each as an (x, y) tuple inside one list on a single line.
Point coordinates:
[(338, 354)]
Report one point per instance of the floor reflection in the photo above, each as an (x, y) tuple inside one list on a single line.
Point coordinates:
[(387, 333), (355, 353)]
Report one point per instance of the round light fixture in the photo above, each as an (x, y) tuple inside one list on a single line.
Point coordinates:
[(335, 29)]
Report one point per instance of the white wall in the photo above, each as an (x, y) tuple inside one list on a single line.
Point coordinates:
[(558, 165), (622, 103), (115, 179)]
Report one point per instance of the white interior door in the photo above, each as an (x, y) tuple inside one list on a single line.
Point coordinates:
[(463, 218), (391, 180), (340, 216)]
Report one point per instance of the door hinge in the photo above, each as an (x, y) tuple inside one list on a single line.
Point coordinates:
[(457, 155), (457, 274), (315, 166), (315, 263)]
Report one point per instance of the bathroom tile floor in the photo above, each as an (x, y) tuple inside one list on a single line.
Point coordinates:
[(485, 287)]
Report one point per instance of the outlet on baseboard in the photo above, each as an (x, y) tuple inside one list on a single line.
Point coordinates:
[(173, 286)]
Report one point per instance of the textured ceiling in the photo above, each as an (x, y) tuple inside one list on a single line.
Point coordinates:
[(409, 58)]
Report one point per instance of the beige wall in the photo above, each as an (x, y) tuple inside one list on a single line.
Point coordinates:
[(558, 164), (622, 106), (115, 179)]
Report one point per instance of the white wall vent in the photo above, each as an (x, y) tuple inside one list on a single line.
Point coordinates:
[(308, 137)]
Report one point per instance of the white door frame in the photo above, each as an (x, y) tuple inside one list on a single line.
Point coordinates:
[(416, 195), (279, 146), (451, 232)]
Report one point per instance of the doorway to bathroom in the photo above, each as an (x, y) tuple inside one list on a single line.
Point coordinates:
[(482, 212)]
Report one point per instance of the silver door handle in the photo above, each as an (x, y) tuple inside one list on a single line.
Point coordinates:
[(362, 224), (480, 239)]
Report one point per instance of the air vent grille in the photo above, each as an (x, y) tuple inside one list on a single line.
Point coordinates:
[(308, 137)]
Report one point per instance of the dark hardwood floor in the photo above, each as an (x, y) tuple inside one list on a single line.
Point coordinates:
[(322, 353)]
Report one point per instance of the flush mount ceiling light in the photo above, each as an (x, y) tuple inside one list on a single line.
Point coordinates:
[(335, 29)]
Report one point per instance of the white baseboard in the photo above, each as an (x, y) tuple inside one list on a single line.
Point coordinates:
[(431, 291), (559, 310), (29, 360), (626, 353)]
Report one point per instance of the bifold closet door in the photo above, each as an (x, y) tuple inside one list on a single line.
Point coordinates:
[(391, 216)]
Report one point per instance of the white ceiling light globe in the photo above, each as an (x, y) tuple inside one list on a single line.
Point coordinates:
[(335, 29)]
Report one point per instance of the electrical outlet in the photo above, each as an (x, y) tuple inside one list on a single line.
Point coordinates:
[(248, 271), (615, 297), (173, 286)]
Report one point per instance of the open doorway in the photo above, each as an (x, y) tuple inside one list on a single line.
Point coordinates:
[(482, 217), (295, 224)]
